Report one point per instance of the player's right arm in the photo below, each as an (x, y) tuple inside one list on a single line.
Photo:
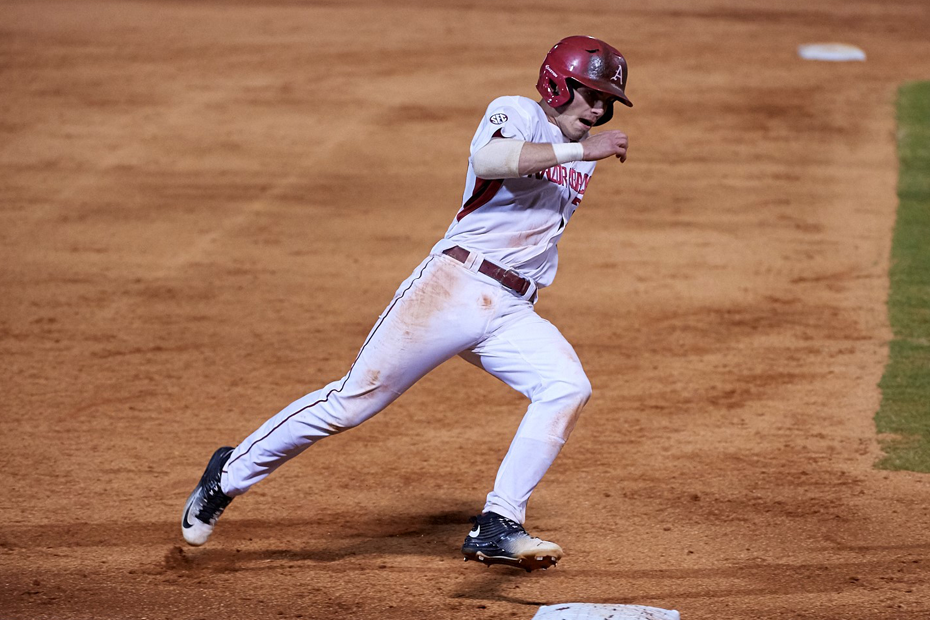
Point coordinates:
[(505, 158)]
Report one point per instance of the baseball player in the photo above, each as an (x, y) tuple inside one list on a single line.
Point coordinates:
[(473, 296)]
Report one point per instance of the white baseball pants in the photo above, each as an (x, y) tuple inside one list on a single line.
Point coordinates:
[(443, 309)]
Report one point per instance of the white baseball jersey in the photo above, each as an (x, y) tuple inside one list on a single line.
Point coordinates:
[(516, 223)]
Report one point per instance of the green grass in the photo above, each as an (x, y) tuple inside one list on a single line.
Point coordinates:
[(903, 418)]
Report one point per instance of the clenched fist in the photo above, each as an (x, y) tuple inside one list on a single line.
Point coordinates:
[(605, 144)]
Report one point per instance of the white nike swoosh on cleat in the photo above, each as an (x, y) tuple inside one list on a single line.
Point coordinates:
[(474, 533), (185, 521)]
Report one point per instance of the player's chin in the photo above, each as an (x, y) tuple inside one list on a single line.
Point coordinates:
[(582, 127)]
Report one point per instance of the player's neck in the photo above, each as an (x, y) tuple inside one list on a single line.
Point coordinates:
[(551, 115), (549, 111)]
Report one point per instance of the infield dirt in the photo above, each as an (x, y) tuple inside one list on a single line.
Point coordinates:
[(205, 205)]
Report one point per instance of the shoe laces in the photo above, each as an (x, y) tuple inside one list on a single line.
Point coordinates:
[(510, 527), (214, 503)]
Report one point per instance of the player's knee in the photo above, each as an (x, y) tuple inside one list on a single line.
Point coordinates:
[(576, 389), (346, 421), (582, 388), (571, 388), (573, 394), (581, 394), (356, 402), (354, 416), (568, 396), (353, 413)]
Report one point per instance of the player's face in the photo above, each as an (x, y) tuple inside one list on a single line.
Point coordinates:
[(577, 117)]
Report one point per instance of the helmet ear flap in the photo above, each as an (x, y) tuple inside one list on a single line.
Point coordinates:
[(562, 91), (551, 85), (554, 88)]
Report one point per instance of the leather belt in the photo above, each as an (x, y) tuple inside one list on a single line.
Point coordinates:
[(509, 278)]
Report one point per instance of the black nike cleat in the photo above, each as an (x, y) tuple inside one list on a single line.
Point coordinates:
[(207, 502), (499, 540)]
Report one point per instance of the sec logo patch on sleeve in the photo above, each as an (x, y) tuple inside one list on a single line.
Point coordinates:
[(498, 119)]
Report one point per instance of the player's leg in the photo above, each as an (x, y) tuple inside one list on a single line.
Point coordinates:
[(531, 355), (436, 313), (432, 317)]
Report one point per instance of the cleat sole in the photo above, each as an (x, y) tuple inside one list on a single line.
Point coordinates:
[(529, 564)]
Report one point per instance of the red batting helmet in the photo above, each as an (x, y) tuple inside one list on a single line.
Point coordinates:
[(588, 61)]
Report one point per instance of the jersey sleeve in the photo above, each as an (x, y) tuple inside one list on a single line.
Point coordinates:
[(504, 118)]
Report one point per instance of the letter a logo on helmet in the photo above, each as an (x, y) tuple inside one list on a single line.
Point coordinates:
[(618, 75), (586, 61)]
